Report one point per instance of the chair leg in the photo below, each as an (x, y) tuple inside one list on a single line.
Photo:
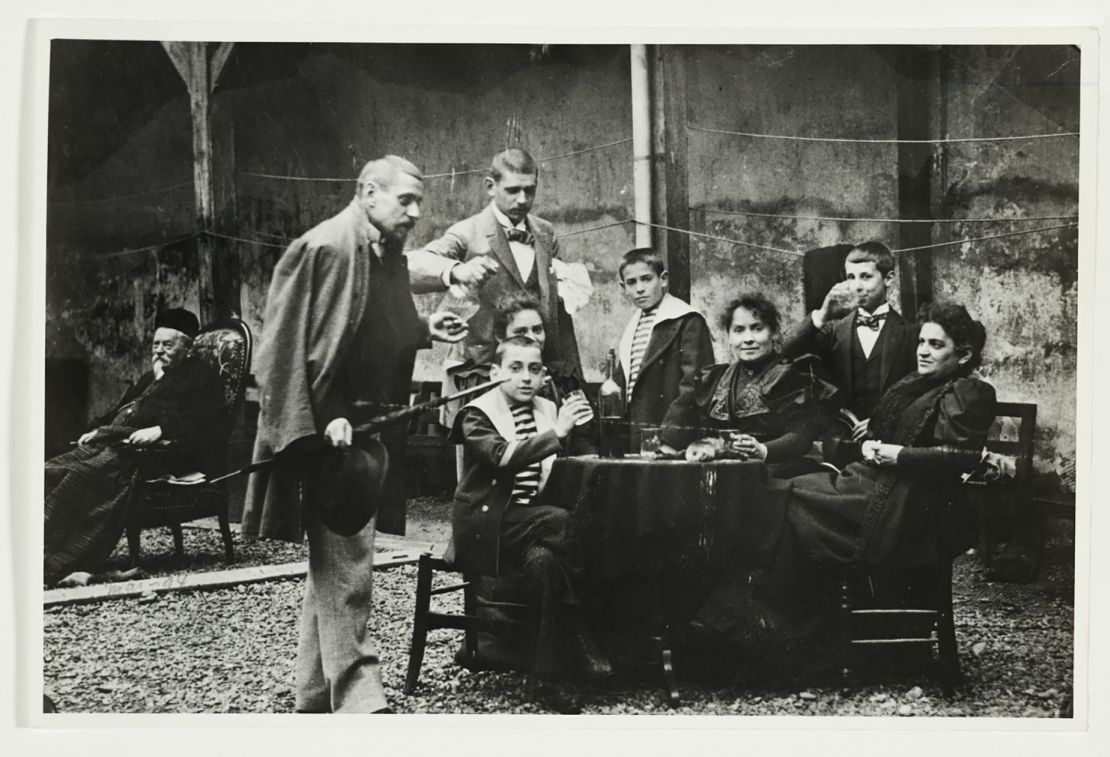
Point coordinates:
[(133, 543), (178, 540), (947, 652), (225, 530), (470, 609), (845, 615), (419, 621)]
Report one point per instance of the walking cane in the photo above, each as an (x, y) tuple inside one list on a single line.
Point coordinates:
[(377, 423)]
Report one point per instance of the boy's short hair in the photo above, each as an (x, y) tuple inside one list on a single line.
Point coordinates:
[(873, 252), (515, 341), (645, 255), (512, 160), (509, 306)]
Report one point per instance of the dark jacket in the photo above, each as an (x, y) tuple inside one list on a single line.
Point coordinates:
[(832, 343), (187, 403), (490, 460), (786, 405), (679, 347), (888, 515)]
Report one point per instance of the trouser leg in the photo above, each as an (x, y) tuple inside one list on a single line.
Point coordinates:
[(337, 648)]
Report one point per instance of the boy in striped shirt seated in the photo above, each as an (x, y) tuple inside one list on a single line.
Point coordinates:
[(510, 438)]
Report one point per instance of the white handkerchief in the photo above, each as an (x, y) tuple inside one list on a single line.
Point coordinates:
[(573, 284)]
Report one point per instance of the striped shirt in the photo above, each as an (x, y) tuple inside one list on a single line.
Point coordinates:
[(526, 483), (640, 340)]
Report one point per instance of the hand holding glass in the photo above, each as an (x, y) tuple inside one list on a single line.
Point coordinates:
[(587, 413)]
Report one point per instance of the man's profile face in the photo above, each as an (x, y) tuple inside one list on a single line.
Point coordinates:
[(169, 347), (393, 209), (513, 194), (868, 284)]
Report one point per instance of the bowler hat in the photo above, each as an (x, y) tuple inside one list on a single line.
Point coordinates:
[(348, 486)]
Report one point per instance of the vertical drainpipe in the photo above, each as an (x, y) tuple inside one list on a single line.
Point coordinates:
[(641, 143)]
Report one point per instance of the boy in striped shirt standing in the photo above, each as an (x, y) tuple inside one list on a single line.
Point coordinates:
[(663, 346), (510, 439)]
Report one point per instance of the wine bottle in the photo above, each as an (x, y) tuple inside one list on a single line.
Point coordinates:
[(610, 407)]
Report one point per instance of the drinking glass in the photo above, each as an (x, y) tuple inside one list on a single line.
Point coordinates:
[(649, 441), (582, 394)]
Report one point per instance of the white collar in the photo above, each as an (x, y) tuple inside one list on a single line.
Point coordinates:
[(884, 308), (669, 308), (504, 219)]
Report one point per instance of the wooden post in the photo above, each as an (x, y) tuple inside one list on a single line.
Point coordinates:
[(216, 262), (920, 105), (671, 179)]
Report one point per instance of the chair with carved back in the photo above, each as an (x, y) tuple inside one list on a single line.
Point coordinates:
[(878, 609), (227, 347)]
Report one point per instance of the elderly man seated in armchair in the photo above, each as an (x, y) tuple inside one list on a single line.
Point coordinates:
[(174, 408)]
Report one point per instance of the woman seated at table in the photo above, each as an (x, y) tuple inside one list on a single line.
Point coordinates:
[(760, 407), (926, 430)]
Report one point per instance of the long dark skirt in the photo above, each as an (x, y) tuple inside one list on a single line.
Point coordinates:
[(85, 509), (785, 586)]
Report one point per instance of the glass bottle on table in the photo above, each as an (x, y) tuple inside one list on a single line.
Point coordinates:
[(610, 410)]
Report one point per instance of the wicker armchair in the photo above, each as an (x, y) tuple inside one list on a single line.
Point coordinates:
[(227, 346)]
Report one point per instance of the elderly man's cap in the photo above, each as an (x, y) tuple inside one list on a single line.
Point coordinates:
[(178, 319)]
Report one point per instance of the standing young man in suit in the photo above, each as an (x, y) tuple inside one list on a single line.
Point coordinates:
[(872, 346), (502, 251)]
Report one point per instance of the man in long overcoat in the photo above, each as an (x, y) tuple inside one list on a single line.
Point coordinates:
[(340, 337)]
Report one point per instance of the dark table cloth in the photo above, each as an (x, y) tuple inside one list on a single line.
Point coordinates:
[(650, 535)]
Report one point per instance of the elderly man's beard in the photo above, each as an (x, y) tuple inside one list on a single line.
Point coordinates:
[(159, 366)]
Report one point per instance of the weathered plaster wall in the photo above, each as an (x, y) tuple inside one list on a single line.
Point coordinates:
[(800, 91), (119, 127), (1023, 288), (333, 114)]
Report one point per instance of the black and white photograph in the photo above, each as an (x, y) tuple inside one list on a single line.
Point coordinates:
[(547, 377)]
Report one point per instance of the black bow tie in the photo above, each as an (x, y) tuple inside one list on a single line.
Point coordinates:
[(870, 321), (520, 235)]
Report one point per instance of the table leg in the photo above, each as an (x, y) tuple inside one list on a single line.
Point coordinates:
[(668, 674)]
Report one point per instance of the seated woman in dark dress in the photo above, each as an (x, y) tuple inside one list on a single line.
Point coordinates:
[(760, 407), (927, 429)]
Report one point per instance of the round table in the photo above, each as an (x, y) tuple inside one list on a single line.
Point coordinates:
[(681, 510), (649, 535)]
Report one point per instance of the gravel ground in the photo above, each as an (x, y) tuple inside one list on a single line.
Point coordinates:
[(231, 651)]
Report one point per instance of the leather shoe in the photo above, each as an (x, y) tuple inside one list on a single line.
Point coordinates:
[(550, 695), (593, 663)]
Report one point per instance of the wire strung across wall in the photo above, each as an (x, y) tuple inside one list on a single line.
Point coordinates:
[(883, 141), (443, 174), (850, 219), (118, 198)]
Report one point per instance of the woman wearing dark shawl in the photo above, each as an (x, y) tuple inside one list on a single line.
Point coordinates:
[(761, 406), (927, 429)]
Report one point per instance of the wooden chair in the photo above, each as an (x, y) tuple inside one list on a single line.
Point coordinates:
[(475, 618), (870, 620), (1009, 504), (227, 346)]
